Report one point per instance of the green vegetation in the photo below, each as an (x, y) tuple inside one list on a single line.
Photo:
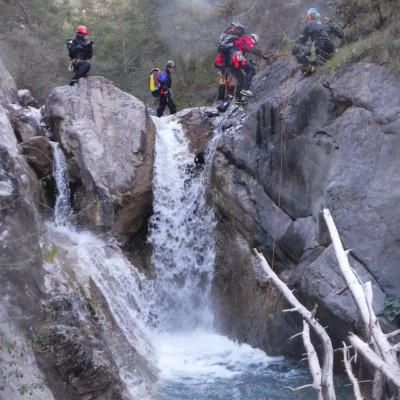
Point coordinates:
[(50, 255), (372, 30), (392, 308), (133, 36)]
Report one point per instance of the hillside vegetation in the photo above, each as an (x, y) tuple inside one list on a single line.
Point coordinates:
[(133, 36)]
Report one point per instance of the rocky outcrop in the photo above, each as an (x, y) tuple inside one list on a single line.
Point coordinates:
[(25, 121), (21, 283), (302, 145), (73, 355), (109, 137), (59, 344), (39, 154)]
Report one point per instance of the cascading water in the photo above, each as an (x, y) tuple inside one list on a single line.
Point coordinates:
[(181, 232), (62, 208), (170, 321), (195, 362), (126, 291)]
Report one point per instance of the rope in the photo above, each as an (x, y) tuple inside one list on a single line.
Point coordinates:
[(281, 139)]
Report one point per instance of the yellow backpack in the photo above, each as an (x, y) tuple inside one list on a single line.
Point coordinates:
[(154, 84)]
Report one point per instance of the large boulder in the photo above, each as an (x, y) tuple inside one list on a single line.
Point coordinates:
[(109, 136)]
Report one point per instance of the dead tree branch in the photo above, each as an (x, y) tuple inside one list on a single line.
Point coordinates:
[(347, 364), (382, 355), (327, 389)]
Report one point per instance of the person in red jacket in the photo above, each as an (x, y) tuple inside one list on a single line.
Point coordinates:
[(242, 68), (226, 84)]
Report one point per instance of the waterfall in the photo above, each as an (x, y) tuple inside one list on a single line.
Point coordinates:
[(169, 322), (195, 362), (181, 231), (62, 208)]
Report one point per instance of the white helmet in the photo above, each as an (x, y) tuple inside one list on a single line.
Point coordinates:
[(171, 64), (255, 38)]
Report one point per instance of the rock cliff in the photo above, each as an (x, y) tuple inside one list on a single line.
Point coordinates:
[(304, 144)]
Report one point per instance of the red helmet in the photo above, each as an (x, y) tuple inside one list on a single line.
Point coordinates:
[(82, 29)]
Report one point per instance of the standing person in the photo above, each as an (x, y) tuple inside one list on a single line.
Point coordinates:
[(226, 86), (319, 31), (80, 50), (165, 89), (243, 69)]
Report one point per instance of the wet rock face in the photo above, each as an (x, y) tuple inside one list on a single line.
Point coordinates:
[(83, 369), (198, 126), (39, 154), (300, 146), (21, 274)]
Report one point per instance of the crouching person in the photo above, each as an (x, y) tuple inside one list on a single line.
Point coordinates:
[(80, 51)]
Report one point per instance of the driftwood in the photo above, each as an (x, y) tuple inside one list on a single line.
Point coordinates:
[(376, 350), (379, 352), (326, 390), (347, 359)]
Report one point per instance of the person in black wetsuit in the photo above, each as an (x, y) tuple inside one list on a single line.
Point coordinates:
[(80, 51), (319, 31)]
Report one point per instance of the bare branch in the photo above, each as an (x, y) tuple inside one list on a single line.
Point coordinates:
[(362, 295), (296, 335), (246, 12), (327, 387), (290, 310), (300, 387), (393, 334), (347, 363), (313, 361), (341, 291), (393, 375)]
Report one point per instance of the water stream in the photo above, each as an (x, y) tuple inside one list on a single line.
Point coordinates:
[(62, 208), (171, 321)]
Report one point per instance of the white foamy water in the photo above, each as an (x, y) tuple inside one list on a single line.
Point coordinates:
[(181, 231), (170, 323), (125, 290), (202, 365), (62, 208), (203, 356)]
